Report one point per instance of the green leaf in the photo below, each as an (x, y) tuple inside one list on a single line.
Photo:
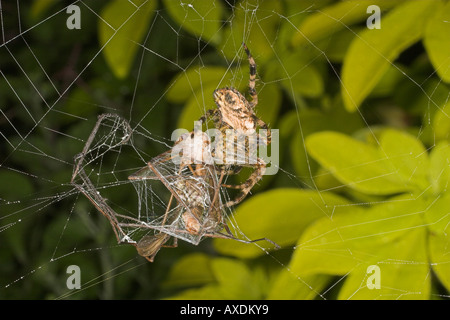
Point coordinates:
[(432, 101), (201, 18), (335, 18), (299, 76), (304, 167), (389, 81), (339, 244), (280, 215), (439, 245), (407, 156), (436, 41), (290, 286), (440, 167), (356, 164), (233, 279), (441, 121), (404, 271), (191, 270), (236, 281), (186, 83), (310, 121), (374, 50), (437, 216), (121, 29)]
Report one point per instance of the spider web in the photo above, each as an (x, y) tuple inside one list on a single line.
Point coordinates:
[(52, 95), (192, 189)]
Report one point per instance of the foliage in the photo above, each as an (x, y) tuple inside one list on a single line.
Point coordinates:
[(364, 126)]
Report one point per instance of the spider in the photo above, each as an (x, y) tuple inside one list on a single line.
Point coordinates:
[(196, 189), (194, 185), (235, 112)]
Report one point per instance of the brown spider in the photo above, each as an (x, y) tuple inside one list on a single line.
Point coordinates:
[(196, 189), (197, 211), (235, 113)]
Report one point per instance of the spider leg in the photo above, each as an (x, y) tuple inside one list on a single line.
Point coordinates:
[(167, 210), (214, 209), (264, 126), (173, 245), (252, 81), (211, 113), (228, 170), (94, 197), (256, 175), (231, 236)]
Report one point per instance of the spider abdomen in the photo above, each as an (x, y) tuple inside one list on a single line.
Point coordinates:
[(234, 109)]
